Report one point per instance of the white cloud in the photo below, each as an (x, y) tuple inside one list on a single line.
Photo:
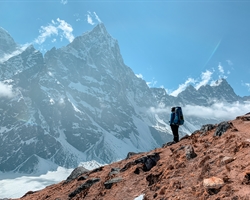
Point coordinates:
[(248, 86), (229, 62), (58, 27), (151, 83), (205, 78), (97, 18), (182, 87), (64, 2), (91, 17), (19, 50), (67, 29), (77, 16), (6, 90), (89, 20), (220, 111), (45, 32), (221, 70), (216, 83), (139, 76)]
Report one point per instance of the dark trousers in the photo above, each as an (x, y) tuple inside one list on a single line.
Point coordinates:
[(174, 129)]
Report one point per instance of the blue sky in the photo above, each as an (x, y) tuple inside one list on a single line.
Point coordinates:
[(169, 44)]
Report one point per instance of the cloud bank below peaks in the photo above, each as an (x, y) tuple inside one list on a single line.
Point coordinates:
[(219, 111)]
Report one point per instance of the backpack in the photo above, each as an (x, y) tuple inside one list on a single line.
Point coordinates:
[(179, 118)]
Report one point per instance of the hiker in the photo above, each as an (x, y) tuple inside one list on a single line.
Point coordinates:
[(174, 126)]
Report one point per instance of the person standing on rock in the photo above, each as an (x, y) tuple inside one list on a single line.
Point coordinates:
[(174, 127)]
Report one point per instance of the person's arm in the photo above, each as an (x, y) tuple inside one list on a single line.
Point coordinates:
[(171, 118)]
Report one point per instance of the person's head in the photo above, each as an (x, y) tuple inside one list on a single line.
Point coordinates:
[(172, 109)]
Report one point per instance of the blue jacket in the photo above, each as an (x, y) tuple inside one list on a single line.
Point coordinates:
[(172, 115)]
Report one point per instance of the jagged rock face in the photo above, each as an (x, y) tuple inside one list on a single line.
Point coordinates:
[(221, 91), (8, 45), (80, 103)]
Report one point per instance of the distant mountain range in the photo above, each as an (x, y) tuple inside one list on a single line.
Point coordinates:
[(81, 102)]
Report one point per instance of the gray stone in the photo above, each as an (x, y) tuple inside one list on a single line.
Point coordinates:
[(148, 161), (190, 154), (205, 128), (84, 186), (76, 173), (222, 128), (108, 184), (114, 171)]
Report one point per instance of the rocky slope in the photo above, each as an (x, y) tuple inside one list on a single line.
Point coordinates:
[(212, 163)]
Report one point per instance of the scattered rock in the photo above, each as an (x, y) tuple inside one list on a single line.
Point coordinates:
[(114, 171), (84, 186), (152, 179), (76, 173), (108, 184), (81, 178), (190, 154), (130, 154), (168, 144), (213, 183), (148, 162), (225, 160), (245, 117), (205, 128), (248, 140), (204, 160), (222, 128), (97, 170), (246, 180)]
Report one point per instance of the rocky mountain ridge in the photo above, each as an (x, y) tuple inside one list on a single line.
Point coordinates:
[(212, 163), (81, 102)]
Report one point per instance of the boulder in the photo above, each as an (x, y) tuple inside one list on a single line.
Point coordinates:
[(108, 184), (225, 160), (222, 128), (76, 173), (213, 183), (84, 186), (246, 180), (190, 154), (205, 128)]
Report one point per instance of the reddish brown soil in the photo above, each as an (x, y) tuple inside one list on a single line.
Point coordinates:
[(173, 176)]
